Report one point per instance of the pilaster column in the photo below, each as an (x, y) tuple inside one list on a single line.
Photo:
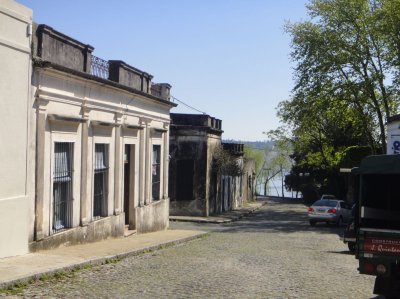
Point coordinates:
[(166, 160), (40, 171), (118, 158), (148, 160), (141, 165), (144, 167), (84, 167)]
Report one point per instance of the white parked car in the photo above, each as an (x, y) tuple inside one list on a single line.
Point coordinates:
[(328, 196), (330, 211)]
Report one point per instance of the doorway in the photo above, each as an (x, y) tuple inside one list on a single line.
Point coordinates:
[(184, 179), (129, 185)]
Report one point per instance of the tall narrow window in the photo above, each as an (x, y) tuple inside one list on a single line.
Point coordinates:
[(100, 180), (62, 186), (156, 172)]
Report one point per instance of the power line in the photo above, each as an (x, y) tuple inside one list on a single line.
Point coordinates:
[(183, 103)]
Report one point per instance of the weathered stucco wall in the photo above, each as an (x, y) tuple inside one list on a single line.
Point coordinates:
[(63, 100), (213, 177), (188, 148), (249, 175), (129, 76), (193, 138), (15, 70), (54, 46), (72, 106), (110, 227), (153, 217)]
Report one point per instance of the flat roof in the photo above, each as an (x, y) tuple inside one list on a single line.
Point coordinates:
[(379, 164)]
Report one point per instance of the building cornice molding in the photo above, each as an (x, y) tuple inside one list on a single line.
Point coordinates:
[(46, 65), (88, 104), (68, 118), (104, 123), (131, 126)]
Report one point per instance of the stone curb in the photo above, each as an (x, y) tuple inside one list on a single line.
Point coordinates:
[(98, 261), (219, 221)]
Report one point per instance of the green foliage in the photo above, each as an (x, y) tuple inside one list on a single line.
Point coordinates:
[(340, 55), (279, 154), (352, 156), (347, 58), (256, 154), (225, 163)]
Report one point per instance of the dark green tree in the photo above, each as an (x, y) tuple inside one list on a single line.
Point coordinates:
[(347, 58)]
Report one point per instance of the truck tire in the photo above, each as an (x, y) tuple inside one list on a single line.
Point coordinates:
[(387, 286), (352, 246)]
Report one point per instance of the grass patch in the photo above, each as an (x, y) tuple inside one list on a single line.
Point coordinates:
[(206, 235), (111, 261), (14, 289), (18, 287), (45, 277), (61, 275), (85, 267)]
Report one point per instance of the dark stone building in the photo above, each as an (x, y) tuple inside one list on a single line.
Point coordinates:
[(198, 185), (193, 186)]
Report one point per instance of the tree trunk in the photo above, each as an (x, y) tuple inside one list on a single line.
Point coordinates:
[(282, 180), (265, 187)]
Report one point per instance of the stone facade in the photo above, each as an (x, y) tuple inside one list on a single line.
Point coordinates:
[(197, 186), (249, 179), (15, 72), (101, 145), (236, 190), (193, 181)]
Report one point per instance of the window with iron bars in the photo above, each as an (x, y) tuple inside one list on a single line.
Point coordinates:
[(100, 193), (62, 186), (156, 172)]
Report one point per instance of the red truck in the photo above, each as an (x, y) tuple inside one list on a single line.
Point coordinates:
[(378, 222)]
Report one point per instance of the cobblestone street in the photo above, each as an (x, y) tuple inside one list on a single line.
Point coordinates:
[(273, 253)]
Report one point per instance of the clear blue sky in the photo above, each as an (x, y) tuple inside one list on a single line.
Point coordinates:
[(228, 58)]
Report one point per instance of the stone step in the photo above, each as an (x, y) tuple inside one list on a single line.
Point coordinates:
[(129, 232)]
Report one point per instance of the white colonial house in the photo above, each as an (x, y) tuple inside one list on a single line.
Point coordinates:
[(85, 141), (100, 146)]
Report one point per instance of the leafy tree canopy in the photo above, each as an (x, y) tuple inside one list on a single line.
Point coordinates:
[(347, 63)]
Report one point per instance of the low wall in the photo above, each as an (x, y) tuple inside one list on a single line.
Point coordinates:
[(153, 217), (187, 208), (101, 229)]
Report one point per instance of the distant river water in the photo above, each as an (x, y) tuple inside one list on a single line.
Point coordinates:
[(274, 188)]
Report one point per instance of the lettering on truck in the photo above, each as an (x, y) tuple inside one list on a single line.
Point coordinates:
[(376, 245)]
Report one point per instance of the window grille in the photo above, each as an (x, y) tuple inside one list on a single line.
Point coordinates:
[(100, 181), (62, 186), (156, 172)]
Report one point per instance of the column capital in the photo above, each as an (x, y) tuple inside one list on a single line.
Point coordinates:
[(118, 117), (145, 121), (85, 110), (42, 104)]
